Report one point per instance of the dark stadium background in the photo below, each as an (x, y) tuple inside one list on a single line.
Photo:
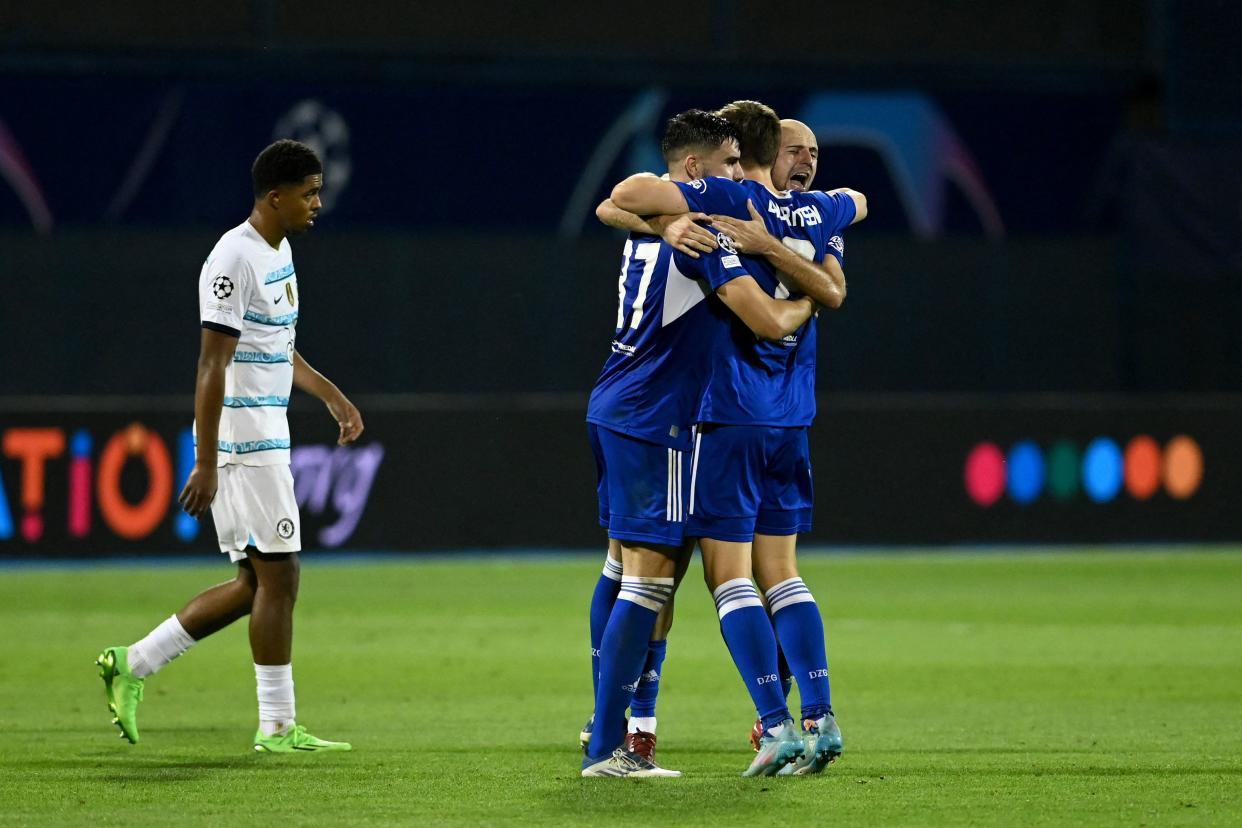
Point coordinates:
[(1079, 279)]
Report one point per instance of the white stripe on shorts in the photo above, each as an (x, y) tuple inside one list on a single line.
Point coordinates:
[(681, 507), (668, 488), (694, 467)]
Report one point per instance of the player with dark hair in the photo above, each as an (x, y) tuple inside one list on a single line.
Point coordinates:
[(639, 420), (249, 305), (697, 144), (750, 480)]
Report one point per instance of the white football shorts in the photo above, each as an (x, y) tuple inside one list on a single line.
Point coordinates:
[(256, 504)]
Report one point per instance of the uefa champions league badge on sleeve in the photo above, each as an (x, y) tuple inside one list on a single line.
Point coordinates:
[(222, 287)]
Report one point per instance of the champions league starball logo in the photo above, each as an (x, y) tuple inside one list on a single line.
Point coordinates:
[(326, 132), (222, 287)]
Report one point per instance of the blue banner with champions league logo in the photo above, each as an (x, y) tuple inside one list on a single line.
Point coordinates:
[(143, 151)]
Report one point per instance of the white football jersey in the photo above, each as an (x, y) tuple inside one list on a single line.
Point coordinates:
[(250, 289)]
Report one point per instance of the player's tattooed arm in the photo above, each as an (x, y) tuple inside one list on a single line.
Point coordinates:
[(860, 202), (215, 353), (681, 232), (647, 195), (346, 414), (823, 282), (767, 318)]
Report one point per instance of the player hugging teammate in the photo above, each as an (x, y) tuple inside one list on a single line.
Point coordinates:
[(698, 423)]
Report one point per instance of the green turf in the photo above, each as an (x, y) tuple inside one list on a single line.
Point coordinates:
[(993, 689)]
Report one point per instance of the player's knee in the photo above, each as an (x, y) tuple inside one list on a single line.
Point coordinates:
[(246, 578), (281, 576), (664, 622), (293, 577)]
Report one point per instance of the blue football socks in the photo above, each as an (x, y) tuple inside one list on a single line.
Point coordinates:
[(623, 652), (748, 632), (795, 615), (644, 704), (602, 601)]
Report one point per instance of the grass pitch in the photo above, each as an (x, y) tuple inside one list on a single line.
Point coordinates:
[(990, 689)]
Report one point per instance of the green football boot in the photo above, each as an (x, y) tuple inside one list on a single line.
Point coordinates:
[(295, 740), (123, 688)]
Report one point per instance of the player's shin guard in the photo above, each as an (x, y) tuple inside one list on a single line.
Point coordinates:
[(748, 632), (602, 601), (623, 652), (644, 704), (800, 629)]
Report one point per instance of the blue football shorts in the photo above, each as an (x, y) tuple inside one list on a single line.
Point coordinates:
[(641, 487), (749, 479)]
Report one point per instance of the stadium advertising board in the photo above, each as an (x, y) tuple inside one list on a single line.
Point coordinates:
[(887, 471), (76, 485)]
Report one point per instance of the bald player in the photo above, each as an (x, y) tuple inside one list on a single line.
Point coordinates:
[(797, 159)]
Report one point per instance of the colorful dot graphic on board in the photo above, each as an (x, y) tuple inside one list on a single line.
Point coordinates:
[(1101, 469), (985, 474)]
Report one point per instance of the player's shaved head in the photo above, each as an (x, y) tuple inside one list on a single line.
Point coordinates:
[(759, 131), (794, 129), (283, 163), (694, 132), (798, 157)]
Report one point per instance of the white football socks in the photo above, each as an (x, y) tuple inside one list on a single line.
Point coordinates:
[(275, 685), (162, 645), (647, 724)]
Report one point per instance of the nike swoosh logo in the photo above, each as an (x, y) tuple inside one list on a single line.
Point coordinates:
[(279, 296)]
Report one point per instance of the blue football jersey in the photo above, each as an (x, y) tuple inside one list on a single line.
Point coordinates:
[(652, 381), (753, 381)]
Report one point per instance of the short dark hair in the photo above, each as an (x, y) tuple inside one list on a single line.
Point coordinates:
[(284, 162), (694, 129), (758, 129)]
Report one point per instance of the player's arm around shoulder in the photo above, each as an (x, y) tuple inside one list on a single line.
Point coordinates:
[(767, 318), (860, 202), (824, 283), (679, 232), (346, 414), (645, 194)]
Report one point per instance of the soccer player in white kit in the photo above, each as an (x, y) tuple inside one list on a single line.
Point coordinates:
[(248, 305)]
